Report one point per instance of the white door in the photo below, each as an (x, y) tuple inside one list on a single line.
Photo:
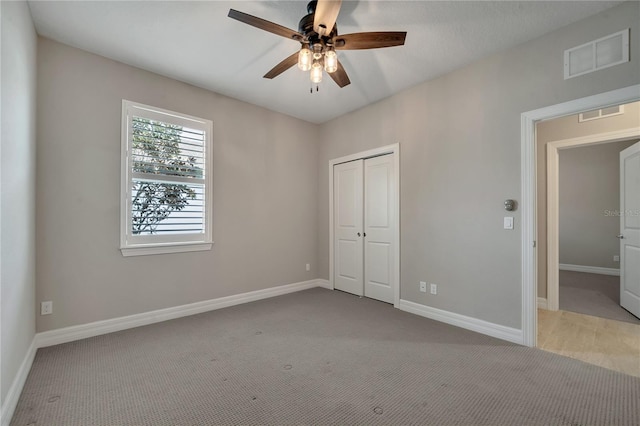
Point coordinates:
[(379, 199), (347, 211), (630, 229)]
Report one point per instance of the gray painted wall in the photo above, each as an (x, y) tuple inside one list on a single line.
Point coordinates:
[(589, 184), (559, 129), (17, 230), (460, 159), (264, 194)]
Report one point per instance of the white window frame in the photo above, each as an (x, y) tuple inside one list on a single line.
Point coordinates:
[(159, 244)]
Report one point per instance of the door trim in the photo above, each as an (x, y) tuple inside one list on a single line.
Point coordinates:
[(528, 190), (553, 201), (388, 149)]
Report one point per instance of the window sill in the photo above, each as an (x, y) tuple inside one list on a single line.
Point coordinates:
[(144, 250)]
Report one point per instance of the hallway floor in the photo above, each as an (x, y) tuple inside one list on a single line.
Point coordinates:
[(593, 294), (608, 343)]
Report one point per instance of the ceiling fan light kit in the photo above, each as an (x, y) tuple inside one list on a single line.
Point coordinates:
[(330, 60), (316, 71), (319, 44), (305, 58)]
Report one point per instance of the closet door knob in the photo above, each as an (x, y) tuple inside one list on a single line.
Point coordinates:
[(620, 236), (358, 234)]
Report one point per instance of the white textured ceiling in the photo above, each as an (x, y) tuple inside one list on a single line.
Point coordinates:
[(197, 43)]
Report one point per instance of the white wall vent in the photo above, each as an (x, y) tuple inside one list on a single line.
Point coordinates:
[(596, 55), (600, 113)]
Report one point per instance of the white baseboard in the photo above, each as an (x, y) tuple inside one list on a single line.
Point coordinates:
[(11, 400), (77, 332), (324, 284), (589, 269), (484, 327), (542, 303)]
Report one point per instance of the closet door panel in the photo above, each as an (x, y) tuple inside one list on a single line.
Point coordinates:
[(348, 207), (379, 202)]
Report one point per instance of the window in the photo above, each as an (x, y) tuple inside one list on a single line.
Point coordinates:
[(166, 181)]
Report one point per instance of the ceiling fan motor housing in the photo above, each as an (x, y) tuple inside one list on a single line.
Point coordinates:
[(305, 26)]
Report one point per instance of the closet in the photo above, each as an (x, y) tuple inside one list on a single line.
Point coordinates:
[(364, 205)]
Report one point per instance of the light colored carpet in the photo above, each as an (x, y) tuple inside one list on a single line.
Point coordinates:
[(593, 294), (316, 357)]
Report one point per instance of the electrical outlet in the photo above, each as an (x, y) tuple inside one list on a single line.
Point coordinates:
[(46, 308), (308, 267), (616, 258), (423, 286), (434, 289)]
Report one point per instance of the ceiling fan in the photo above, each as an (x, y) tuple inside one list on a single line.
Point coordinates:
[(318, 35)]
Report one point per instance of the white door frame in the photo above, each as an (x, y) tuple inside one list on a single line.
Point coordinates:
[(388, 149), (553, 202), (528, 190)]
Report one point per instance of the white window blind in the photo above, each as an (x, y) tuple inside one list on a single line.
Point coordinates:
[(167, 199)]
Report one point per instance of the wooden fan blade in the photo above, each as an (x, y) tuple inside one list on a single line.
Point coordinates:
[(372, 40), (340, 76), (325, 16), (282, 66), (265, 25)]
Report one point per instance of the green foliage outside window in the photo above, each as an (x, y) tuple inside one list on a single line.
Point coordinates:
[(157, 151)]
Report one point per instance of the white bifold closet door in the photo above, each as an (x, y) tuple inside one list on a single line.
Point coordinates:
[(364, 227)]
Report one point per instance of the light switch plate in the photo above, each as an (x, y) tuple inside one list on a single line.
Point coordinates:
[(508, 222)]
